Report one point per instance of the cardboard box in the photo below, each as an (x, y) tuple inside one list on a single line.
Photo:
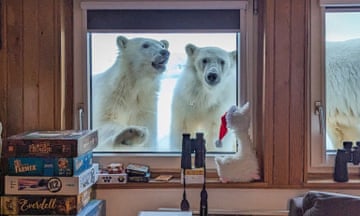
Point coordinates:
[(193, 176), (43, 185), (65, 143), (106, 178), (44, 204), (61, 166), (94, 207)]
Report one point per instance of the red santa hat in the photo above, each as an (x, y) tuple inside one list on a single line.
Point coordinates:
[(223, 127)]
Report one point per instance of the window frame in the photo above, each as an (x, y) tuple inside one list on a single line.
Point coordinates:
[(81, 103), (318, 160)]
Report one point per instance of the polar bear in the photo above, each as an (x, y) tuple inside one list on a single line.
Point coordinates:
[(124, 106), (205, 89), (343, 91)]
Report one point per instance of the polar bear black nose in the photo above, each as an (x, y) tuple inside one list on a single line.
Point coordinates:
[(164, 53), (212, 77)]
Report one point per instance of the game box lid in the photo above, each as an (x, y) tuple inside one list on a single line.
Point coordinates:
[(61, 143)]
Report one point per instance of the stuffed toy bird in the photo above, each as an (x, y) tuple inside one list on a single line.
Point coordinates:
[(243, 166)]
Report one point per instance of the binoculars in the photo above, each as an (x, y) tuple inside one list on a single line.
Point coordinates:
[(349, 154), (191, 145)]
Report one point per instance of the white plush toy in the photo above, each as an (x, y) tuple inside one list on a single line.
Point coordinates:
[(243, 166)]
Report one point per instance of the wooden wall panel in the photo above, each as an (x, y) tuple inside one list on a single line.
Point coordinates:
[(3, 66), (281, 91), (15, 72), (66, 46), (31, 64), (297, 92), (284, 98), (34, 70), (268, 94), (47, 67)]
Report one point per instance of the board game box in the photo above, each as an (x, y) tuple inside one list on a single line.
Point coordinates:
[(44, 185), (45, 204), (63, 143), (35, 166), (134, 169)]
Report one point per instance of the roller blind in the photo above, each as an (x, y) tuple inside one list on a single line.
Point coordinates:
[(187, 19)]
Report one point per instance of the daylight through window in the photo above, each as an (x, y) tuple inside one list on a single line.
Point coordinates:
[(335, 74), (170, 71)]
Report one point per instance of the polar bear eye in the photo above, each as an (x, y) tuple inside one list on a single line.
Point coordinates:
[(222, 62), (145, 45), (205, 61)]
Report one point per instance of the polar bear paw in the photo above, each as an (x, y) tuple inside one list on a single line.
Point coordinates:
[(132, 136)]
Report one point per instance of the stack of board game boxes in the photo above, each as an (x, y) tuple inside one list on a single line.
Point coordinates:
[(50, 173)]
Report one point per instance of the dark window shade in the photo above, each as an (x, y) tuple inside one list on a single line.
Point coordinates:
[(163, 19)]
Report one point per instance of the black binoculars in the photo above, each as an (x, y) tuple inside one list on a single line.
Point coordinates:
[(191, 145), (349, 154)]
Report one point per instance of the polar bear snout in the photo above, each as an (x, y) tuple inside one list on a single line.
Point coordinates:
[(161, 60), (165, 53), (212, 76)]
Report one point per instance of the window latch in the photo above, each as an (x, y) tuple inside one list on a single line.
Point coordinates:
[(319, 110), (81, 116)]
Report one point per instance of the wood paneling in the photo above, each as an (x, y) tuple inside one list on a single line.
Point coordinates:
[(268, 98), (285, 36), (31, 63), (37, 46), (14, 66), (297, 92), (3, 65)]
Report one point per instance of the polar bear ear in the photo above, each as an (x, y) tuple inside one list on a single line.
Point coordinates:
[(166, 43), (233, 55), (121, 42), (190, 49)]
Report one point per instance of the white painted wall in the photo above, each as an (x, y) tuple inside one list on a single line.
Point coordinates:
[(128, 202)]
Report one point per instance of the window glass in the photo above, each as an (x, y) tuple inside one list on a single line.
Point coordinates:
[(222, 52), (167, 42), (342, 75), (334, 73)]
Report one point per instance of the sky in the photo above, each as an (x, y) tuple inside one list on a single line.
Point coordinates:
[(342, 26)]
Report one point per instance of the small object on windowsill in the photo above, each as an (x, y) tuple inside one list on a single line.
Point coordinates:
[(115, 168), (134, 169), (135, 178), (163, 178)]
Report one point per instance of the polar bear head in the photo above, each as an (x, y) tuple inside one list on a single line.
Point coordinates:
[(143, 54), (211, 65)]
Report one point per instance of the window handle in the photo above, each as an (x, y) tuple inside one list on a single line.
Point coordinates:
[(319, 110), (81, 117)]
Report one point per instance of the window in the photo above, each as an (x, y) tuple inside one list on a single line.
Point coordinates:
[(335, 67), (103, 53), (227, 25)]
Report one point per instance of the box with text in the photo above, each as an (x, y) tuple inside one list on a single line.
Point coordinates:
[(45, 204), (42, 185), (61, 166), (64, 143)]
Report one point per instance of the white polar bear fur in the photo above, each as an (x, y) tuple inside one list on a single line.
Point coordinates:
[(242, 166), (197, 106), (125, 96), (343, 91)]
